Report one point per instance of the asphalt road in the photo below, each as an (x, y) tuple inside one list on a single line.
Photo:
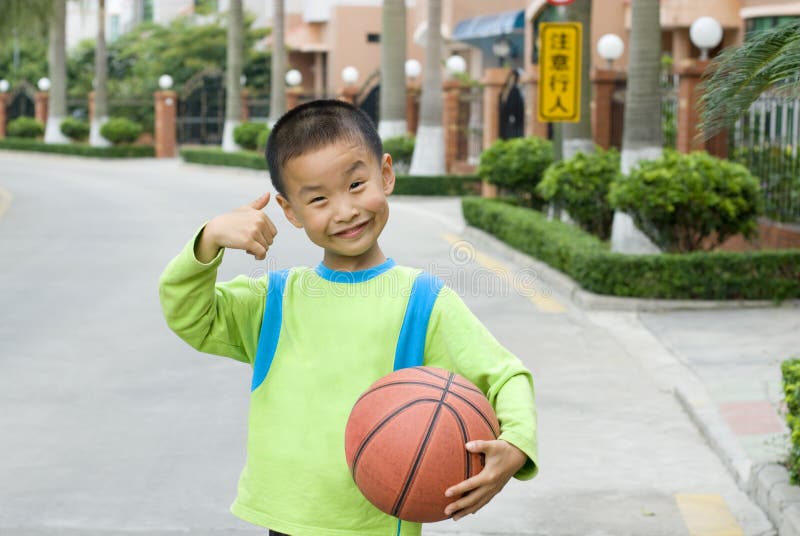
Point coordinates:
[(111, 425)]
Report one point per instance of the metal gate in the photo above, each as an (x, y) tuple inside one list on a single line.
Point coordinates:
[(201, 109), (512, 108), (369, 95), (21, 102)]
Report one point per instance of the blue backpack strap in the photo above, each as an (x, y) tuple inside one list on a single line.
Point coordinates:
[(270, 327), (411, 343)]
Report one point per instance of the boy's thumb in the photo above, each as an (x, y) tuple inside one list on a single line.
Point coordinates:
[(261, 202)]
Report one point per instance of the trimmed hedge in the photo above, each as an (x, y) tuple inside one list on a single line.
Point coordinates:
[(216, 157), (762, 275), (118, 151), (791, 391)]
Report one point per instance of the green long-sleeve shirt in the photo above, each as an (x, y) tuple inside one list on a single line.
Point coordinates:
[(336, 334)]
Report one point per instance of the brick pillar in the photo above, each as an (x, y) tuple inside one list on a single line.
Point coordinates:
[(293, 97), (452, 98), (41, 99), (493, 80), (530, 81), (90, 99), (688, 112), (3, 104), (604, 82), (348, 94), (165, 124), (245, 109), (412, 108)]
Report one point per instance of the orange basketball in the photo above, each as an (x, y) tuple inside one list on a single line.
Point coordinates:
[(405, 440)]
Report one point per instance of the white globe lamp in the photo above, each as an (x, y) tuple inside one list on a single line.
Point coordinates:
[(165, 81), (43, 84), (294, 78), (705, 33), (4, 85), (610, 47), (456, 65), (413, 68), (349, 75)]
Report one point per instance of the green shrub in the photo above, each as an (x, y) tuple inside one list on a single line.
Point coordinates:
[(261, 141), (401, 148), (791, 391), (689, 202), (517, 164), (246, 134), (117, 151), (216, 157), (75, 129), (121, 130), (437, 185), (580, 185), (25, 127), (763, 275)]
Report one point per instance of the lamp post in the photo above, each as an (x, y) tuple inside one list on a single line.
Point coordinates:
[(350, 76), (456, 65), (705, 33), (4, 86), (413, 69), (502, 49), (610, 47), (165, 118), (293, 79)]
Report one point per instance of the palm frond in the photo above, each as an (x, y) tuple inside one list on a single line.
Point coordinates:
[(768, 60)]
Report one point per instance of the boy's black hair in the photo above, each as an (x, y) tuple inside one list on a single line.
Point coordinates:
[(314, 125)]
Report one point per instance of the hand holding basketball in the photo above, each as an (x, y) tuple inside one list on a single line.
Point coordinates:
[(503, 460)]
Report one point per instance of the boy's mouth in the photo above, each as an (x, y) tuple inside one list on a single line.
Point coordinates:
[(352, 231)]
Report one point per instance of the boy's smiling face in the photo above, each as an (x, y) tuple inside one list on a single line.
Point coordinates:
[(338, 195)]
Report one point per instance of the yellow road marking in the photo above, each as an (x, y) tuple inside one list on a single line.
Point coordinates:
[(707, 515), (525, 284), (5, 200)]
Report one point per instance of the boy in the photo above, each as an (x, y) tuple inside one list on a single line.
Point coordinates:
[(321, 336)]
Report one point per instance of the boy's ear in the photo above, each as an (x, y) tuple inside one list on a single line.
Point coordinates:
[(288, 211), (387, 172)]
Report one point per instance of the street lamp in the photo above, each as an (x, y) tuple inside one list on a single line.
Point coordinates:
[(243, 80), (610, 47), (456, 65), (4, 85), (294, 78), (413, 68), (502, 49), (705, 33), (43, 84), (349, 75), (165, 81)]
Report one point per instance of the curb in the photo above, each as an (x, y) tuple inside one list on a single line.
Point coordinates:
[(566, 286)]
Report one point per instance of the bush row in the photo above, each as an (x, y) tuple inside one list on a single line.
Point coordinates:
[(791, 391), (116, 151), (766, 275), (216, 157)]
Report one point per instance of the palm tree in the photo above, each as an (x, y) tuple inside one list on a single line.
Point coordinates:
[(101, 80), (393, 58), (233, 87), (578, 136), (767, 59), (57, 59), (641, 137), (428, 157), (277, 95)]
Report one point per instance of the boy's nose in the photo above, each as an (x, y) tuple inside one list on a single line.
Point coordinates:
[(346, 212)]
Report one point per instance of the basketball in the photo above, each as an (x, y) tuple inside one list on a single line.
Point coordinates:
[(405, 440)]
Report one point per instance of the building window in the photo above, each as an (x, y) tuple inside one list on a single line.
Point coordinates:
[(113, 31), (373, 38), (758, 24)]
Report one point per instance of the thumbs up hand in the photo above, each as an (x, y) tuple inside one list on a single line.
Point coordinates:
[(247, 228)]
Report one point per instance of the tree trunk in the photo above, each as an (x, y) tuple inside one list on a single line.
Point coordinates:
[(578, 136), (393, 59), (277, 95), (428, 157), (57, 57), (101, 80), (233, 87), (641, 139)]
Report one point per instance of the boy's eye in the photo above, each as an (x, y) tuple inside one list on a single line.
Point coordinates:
[(317, 200), (356, 184)]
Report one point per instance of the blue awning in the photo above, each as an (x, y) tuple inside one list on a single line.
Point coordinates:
[(490, 26)]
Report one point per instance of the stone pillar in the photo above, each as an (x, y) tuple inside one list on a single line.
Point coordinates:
[(452, 98), (293, 97), (165, 123), (530, 83), (41, 99), (245, 108), (688, 99), (604, 82), (3, 104), (412, 108), (348, 94)]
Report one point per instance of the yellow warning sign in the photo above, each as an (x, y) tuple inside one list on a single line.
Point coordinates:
[(560, 72)]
